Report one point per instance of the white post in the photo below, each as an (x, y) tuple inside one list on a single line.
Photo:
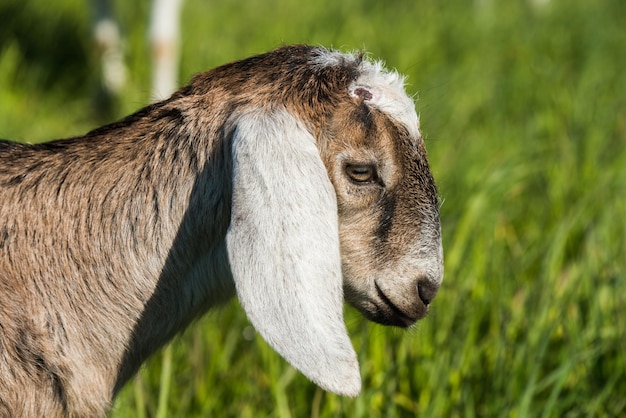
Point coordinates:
[(164, 40), (108, 38)]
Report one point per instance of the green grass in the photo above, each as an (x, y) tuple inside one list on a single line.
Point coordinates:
[(524, 110)]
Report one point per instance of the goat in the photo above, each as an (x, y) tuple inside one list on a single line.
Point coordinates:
[(289, 179)]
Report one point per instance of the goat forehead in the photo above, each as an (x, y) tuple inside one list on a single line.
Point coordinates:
[(388, 94), (386, 87)]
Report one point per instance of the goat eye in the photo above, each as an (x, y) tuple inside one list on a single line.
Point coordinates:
[(361, 173)]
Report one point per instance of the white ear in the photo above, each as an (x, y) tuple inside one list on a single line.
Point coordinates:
[(283, 248)]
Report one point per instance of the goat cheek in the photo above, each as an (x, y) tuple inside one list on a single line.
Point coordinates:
[(356, 254), (386, 215)]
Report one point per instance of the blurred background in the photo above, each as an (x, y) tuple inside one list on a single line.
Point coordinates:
[(523, 106)]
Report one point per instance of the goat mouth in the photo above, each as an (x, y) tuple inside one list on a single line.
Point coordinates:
[(390, 314)]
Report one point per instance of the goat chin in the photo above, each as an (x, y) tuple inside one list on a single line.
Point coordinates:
[(283, 179)]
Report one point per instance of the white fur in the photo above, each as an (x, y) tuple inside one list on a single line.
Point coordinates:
[(283, 247), (388, 94)]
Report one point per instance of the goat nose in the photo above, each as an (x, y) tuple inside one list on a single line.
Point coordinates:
[(427, 290)]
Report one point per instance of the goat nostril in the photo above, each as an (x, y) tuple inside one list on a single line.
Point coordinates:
[(427, 291)]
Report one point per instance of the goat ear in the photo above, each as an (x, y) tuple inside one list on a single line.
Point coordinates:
[(283, 248)]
